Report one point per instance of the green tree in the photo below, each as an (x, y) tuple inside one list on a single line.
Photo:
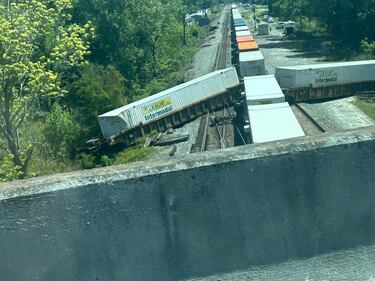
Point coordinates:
[(97, 90), (37, 47)]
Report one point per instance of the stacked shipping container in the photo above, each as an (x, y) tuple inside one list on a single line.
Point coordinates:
[(246, 53)]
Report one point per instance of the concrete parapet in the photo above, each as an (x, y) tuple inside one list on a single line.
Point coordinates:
[(192, 216)]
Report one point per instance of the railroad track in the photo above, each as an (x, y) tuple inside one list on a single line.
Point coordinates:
[(222, 51), (221, 129), (201, 140), (216, 129), (307, 116)]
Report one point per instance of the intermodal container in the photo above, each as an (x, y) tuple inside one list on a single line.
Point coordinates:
[(246, 38), (240, 24), (166, 102), (241, 28), (242, 33), (263, 89), (251, 63), (248, 46), (273, 122), (326, 74), (237, 16)]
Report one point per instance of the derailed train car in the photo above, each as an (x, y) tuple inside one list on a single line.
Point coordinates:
[(327, 80), (169, 108)]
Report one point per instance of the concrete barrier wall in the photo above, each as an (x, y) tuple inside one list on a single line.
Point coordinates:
[(192, 216)]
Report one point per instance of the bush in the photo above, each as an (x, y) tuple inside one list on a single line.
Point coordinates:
[(8, 171), (61, 132), (368, 48), (87, 161)]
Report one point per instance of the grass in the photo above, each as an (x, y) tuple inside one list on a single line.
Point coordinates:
[(367, 105)]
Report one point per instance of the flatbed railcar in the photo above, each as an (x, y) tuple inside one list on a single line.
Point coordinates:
[(170, 108)]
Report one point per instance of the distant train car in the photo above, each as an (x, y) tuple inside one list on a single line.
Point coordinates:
[(318, 81), (248, 46), (239, 22), (241, 28), (241, 39), (243, 33), (246, 38), (251, 63), (126, 123)]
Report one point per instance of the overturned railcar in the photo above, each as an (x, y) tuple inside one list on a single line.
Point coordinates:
[(170, 108)]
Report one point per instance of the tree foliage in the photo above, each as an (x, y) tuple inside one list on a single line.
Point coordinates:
[(57, 76), (348, 20), (142, 39), (96, 90), (37, 48)]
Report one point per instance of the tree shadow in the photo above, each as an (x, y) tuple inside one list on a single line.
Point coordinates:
[(310, 45)]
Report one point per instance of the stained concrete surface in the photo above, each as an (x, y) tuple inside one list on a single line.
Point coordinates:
[(346, 265), (195, 216)]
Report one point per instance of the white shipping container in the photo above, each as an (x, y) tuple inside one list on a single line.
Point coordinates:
[(316, 75), (237, 16), (241, 28), (166, 102), (263, 89), (251, 63), (273, 122), (242, 33)]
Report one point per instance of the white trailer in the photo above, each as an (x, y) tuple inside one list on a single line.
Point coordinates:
[(263, 89), (243, 33), (317, 75), (241, 28), (165, 103), (273, 122), (251, 63)]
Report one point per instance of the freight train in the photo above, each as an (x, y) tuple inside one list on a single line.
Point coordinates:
[(183, 103)]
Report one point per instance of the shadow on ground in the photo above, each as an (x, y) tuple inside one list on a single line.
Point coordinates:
[(308, 45)]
